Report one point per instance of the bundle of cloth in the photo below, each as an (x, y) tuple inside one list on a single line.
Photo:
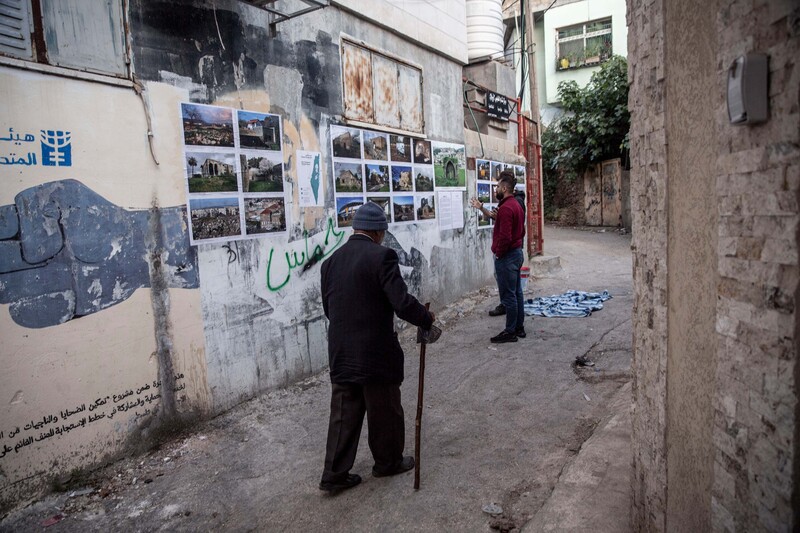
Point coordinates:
[(567, 305)]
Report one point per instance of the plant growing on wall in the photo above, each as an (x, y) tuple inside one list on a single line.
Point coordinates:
[(593, 128)]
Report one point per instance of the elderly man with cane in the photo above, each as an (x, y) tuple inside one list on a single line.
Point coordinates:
[(362, 289)]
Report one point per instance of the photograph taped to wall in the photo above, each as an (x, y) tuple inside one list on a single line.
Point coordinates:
[(264, 215), (385, 203), (377, 177), (422, 152), (214, 218), (251, 167), (206, 125), (259, 131), (346, 207), (425, 206), (449, 166), (400, 148), (348, 177), (483, 169), (403, 208), (497, 168), (402, 179), (345, 142), (376, 146), (423, 178), (211, 172), (261, 172), (519, 174), (484, 192)]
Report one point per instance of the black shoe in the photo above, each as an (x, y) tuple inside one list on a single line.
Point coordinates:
[(520, 333), (403, 466), (497, 311), (504, 336), (333, 486)]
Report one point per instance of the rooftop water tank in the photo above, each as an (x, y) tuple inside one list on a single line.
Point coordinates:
[(484, 29)]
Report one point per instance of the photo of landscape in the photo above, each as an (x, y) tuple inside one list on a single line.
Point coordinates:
[(205, 125), (214, 218)]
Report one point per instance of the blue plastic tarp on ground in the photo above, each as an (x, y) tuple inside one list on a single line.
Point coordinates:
[(567, 305)]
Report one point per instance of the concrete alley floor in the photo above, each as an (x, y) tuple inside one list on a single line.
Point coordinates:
[(516, 425)]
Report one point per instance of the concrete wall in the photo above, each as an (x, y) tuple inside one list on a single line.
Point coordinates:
[(108, 310), (715, 237)]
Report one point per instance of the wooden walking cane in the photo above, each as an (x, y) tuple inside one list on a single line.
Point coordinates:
[(418, 423)]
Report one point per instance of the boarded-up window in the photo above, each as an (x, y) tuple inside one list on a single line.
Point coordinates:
[(381, 90), (79, 34)]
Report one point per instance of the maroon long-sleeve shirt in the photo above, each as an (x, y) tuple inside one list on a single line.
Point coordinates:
[(509, 227)]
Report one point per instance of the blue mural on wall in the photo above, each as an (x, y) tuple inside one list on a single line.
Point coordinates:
[(67, 252)]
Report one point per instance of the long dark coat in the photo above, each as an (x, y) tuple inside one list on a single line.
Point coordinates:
[(362, 289)]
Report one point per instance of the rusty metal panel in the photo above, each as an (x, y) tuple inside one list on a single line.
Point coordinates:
[(85, 34), (410, 83), (357, 83), (387, 112)]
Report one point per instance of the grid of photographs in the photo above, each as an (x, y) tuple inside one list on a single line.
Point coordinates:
[(394, 171), (486, 174), (233, 169)]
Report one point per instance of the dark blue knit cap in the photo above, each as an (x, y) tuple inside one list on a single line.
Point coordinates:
[(370, 217)]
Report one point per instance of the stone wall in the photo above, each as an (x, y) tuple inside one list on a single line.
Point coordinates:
[(649, 243), (742, 375), (758, 181)]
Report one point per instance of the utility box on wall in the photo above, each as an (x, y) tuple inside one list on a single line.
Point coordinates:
[(747, 89)]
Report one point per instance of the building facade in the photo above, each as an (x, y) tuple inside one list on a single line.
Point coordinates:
[(715, 251)]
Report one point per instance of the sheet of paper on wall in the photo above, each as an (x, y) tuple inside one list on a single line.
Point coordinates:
[(309, 179), (451, 210)]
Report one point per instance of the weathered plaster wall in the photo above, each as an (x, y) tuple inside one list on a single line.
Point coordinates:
[(727, 397), (98, 277)]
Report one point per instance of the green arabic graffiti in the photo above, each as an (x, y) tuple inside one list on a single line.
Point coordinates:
[(306, 259)]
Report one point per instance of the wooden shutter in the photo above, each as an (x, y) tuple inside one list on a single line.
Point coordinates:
[(15, 29)]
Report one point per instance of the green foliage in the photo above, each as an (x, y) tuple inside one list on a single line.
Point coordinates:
[(594, 127)]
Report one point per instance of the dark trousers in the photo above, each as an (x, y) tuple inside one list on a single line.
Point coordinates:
[(507, 269), (349, 403)]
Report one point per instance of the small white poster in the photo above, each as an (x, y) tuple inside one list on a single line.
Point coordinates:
[(451, 210), (309, 179)]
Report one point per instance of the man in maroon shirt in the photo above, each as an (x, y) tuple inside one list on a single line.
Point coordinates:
[(509, 231)]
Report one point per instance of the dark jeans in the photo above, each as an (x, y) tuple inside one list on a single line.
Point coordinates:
[(506, 270), (349, 403)]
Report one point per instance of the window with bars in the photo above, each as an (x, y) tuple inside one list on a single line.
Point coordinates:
[(76, 34), (583, 45)]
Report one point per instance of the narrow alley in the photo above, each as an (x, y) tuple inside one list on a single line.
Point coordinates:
[(503, 424)]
